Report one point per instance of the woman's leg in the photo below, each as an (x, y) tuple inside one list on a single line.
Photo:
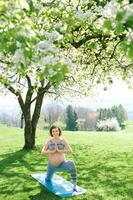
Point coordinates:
[(50, 172), (69, 166)]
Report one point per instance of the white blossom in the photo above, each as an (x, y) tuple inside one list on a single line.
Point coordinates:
[(1, 55), (108, 125), (110, 9), (129, 12), (54, 36), (82, 15), (49, 60), (90, 15), (38, 6), (18, 44), (52, 73), (27, 31), (47, 1), (62, 27), (22, 4), (46, 46), (130, 35), (18, 56), (84, 1)]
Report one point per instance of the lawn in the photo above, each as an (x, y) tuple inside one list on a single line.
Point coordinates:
[(104, 162)]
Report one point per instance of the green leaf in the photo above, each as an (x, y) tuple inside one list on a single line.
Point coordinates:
[(92, 45), (2, 7), (120, 1), (119, 29), (20, 38), (120, 15), (12, 48), (124, 46), (27, 53), (129, 22), (23, 69), (31, 6), (107, 24), (130, 51)]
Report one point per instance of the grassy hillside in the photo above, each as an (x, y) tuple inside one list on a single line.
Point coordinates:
[(104, 162)]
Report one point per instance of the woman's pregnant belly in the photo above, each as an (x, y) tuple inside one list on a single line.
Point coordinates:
[(56, 158)]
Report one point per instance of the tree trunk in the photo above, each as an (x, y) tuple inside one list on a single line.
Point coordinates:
[(30, 122), (26, 112), (28, 136), (36, 113)]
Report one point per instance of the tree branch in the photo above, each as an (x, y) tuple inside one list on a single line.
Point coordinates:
[(18, 95), (5, 62), (87, 38), (113, 52), (44, 90), (28, 80)]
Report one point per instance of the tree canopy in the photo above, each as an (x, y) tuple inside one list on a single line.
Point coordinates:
[(49, 39), (47, 46)]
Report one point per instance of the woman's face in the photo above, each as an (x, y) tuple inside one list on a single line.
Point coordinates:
[(55, 132)]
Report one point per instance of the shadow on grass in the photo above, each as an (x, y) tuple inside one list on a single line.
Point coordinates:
[(15, 159), (44, 193), (21, 158), (16, 169), (106, 175)]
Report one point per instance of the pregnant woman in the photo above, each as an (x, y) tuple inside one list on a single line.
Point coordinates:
[(55, 148)]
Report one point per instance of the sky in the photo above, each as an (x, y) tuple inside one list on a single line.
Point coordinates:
[(118, 93)]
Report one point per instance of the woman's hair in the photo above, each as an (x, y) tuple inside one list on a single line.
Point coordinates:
[(53, 127)]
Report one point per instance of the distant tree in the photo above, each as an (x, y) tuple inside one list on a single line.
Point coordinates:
[(109, 113), (60, 124), (117, 112), (71, 119), (10, 119), (104, 114), (81, 124), (120, 114), (75, 118), (87, 118), (53, 113)]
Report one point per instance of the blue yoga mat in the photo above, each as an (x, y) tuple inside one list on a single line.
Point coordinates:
[(59, 186)]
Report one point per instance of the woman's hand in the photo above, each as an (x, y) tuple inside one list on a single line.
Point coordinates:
[(56, 147), (46, 151), (67, 148)]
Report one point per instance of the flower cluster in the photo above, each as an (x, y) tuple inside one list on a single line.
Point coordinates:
[(108, 125)]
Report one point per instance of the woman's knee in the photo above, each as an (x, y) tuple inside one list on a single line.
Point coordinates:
[(71, 164)]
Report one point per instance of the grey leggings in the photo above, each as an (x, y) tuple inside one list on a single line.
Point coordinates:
[(67, 165)]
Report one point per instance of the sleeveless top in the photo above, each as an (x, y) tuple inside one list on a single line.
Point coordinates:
[(59, 144)]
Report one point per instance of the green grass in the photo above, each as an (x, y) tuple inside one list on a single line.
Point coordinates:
[(104, 163)]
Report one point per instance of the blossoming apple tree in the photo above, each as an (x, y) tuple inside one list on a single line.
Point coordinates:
[(49, 45)]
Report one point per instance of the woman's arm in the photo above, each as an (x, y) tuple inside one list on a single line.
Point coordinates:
[(67, 149), (46, 151)]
